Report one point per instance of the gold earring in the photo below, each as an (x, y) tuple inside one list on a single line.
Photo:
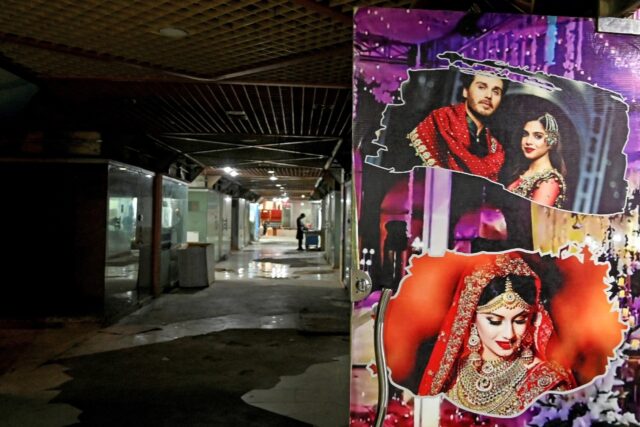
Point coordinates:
[(474, 346), (527, 354)]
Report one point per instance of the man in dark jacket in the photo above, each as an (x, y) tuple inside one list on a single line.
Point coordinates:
[(300, 231)]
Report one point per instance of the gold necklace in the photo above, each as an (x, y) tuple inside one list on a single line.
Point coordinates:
[(490, 390)]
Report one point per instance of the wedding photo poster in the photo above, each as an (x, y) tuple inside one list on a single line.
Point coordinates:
[(496, 163)]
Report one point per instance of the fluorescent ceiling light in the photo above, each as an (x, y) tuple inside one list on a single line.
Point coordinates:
[(173, 33), (273, 178)]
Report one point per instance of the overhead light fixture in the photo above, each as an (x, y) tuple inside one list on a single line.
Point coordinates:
[(233, 173), (273, 178), (271, 171), (303, 196), (173, 33), (227, 169), (237, 114)]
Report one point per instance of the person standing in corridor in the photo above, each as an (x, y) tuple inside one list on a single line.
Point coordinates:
[(300, 231)]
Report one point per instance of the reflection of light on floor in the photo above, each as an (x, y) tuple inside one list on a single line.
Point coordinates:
[(279, 271), (127, 271), (126, 297), (274, 322), (268, 270)]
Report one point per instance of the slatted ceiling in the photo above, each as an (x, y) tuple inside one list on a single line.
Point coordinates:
[(200, 108), (281, 172), (106, 60), (238, 159), (226, 150)]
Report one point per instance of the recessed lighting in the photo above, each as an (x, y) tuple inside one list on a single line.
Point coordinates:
[(233, 173), (227, 169), (173, 33), (303, 196), (271, 171), (273, 178)]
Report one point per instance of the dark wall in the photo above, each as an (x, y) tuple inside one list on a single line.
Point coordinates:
[(54, 221)]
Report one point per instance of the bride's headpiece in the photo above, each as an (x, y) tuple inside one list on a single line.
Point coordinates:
[(509, 299), (551, 127)]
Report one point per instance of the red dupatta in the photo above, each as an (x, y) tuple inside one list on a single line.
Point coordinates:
[(448, 125), (450, 344)]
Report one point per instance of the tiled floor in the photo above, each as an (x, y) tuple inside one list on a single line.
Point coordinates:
[(52, 373)]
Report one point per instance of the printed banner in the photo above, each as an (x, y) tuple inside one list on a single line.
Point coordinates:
[(496, 174)]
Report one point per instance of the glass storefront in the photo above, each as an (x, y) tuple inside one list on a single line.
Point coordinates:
[(128, 241), (173, 229)]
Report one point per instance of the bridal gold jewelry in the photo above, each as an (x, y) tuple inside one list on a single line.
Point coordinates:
[(551, 127), (509, 299), (474, 346), (527, 355), (490, 390)]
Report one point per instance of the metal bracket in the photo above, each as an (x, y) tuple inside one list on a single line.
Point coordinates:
[(361, 285)]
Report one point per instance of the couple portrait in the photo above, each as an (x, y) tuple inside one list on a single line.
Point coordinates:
[(457, 137), (516, 134)]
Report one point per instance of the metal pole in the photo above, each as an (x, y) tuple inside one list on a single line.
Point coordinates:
[(381, 362)]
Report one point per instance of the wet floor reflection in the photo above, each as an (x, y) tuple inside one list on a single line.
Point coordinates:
[(127, 271), (268, 269)]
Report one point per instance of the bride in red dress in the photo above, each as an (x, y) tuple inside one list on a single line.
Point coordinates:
[(541, 177), (490, 356), (488, 334)]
